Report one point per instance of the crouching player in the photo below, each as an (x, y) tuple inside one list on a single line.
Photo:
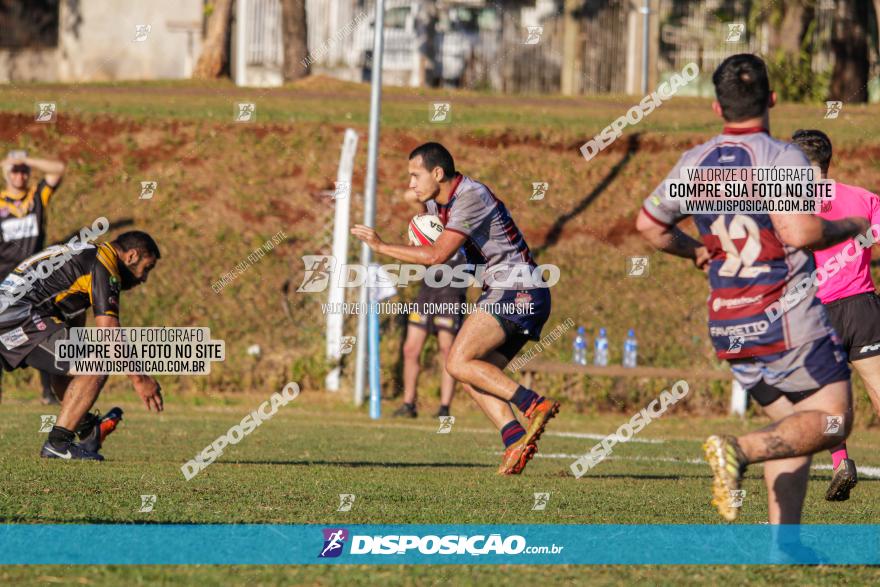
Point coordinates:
[(474, 219), (38, 310)]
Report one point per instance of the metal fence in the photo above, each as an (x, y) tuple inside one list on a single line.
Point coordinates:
[(497, 56), (264, 43)]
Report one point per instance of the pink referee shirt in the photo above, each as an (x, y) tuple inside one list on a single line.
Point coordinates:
[(854, 276)]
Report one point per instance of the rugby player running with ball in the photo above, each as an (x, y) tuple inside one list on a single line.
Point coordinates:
[(477, 222)]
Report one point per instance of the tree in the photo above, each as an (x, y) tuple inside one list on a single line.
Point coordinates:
[(295, 38), (849, 43), (215, 56)]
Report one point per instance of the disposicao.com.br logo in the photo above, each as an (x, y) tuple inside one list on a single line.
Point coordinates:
[(452, 544)]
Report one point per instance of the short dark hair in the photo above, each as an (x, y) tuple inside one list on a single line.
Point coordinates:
[(742, 87), (136, 239), (816, 146), (435, 155)]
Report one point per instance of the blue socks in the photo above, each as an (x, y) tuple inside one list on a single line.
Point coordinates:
[(523, 398), (512, 432)]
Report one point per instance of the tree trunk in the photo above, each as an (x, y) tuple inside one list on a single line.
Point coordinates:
[(294, 33), (215, 57), (426, 33), (849, 43)]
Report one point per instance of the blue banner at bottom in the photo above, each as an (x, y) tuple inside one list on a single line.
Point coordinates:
[(256, 544)]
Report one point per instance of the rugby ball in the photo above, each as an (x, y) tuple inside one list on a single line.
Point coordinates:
[(424, 229)]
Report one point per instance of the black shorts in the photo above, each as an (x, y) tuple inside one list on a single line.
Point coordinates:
[(32, 344), (435, 309), (857, 322)]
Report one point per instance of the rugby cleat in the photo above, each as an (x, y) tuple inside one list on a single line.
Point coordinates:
[(516, 457), (109, 422), (405, 411), (538, 415), (71, 452), (844, 479), (97, 428), (727, 473), (49, 399)]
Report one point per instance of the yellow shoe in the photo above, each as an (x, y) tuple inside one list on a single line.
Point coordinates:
[(516, 456), (727, 475)]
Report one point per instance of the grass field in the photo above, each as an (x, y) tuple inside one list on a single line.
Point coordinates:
[(225, 188), (293, 467)]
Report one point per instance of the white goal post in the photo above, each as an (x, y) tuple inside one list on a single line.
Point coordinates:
[(335, 292)]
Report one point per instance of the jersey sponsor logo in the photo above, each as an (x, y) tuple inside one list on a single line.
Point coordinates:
[(870, 348), (14, 338), (20, 228), (38, 322), (747, 329), (719, 303)]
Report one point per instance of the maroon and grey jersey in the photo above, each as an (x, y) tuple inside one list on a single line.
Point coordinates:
[(493, 239), (750, 267)]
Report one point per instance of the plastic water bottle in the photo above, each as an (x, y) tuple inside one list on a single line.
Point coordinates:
[(601, 357), (630, 349), (579, 350)]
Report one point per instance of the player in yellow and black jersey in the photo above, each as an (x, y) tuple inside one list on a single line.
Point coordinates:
[(50, 292), (23, 217)]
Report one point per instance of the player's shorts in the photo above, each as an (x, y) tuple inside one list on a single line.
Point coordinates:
[(857, 322), (32, 344), (434, 323), (429, 313), (796, 373), (511, 308)]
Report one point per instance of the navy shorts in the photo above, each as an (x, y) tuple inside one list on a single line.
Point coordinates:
[(522, 314), (796, 373)]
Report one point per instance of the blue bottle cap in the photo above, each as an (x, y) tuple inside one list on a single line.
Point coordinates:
[(631, 333), (601, 332), (581, 330)]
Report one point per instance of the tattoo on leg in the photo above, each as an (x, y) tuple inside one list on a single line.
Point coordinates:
[(776, 447)]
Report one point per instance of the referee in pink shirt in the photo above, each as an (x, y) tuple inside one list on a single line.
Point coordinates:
[(848, 294)]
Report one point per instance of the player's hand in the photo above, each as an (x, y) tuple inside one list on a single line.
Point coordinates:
[(8, 163), (702, 258), (367, 234), (150, 392)]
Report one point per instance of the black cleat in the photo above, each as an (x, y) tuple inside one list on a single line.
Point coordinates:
[(95, 428), (442, 412), (71, 452), (49, 399), (406, 411), (844, 479)]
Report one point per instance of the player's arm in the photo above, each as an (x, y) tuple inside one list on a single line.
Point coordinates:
[(657, 223), (52, 169), (441, 251), (808, 231), (105, 305), (667, 237), (144, 385)]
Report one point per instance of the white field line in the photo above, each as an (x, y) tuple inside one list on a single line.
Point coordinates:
[(585, 435), (863, 470)]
